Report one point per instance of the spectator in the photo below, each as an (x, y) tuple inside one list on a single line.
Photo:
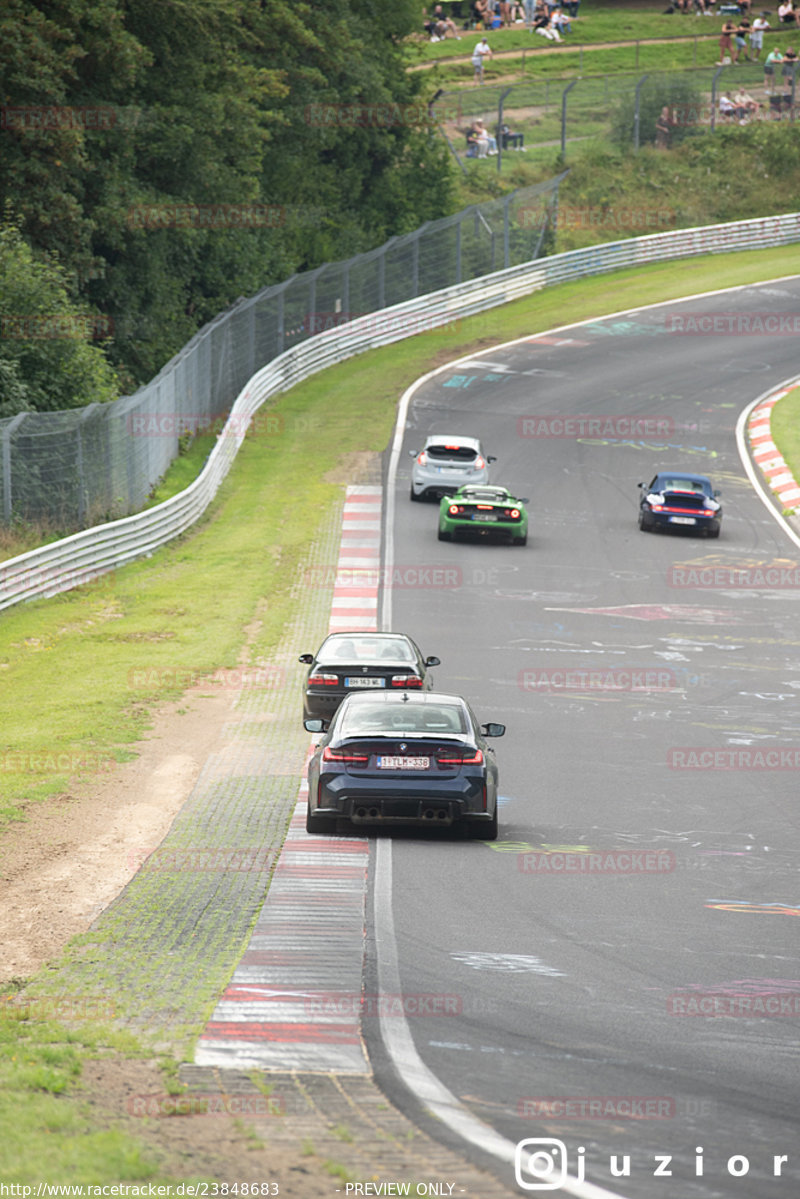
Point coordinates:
[(485, 136), (742, 31), (788, 69), (772, 58), (760, 24), (481, 16), (560, 21), (746, 106), (787, 14), (481, 52), (725, 46), (530, 12), (727, 108), (515, 140), (663, 129), (445, 25), (572, 7), (543, 24)]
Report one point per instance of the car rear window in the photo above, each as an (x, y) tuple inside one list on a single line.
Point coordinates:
[(453, 453), (365, 649), (366, 719)]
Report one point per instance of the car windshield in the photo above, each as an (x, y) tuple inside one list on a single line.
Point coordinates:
[(365, 649), (373, 719), (454, 453)]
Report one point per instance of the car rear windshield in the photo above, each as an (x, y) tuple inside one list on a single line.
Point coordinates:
[(365, 649), (369, 720), (454, 453), (684, 485)]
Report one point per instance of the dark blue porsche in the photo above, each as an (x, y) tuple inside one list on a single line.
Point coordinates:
[(408, 759), (673, 499)]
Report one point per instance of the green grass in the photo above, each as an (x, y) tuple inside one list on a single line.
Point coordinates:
[(785, 429), (55, 1138), (82, 672)]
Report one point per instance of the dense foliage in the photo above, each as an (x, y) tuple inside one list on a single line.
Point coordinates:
[(173, 155)]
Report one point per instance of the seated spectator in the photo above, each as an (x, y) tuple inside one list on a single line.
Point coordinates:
[(515, 140), (481, 15), (476, 147), (727, 108), (444, 25), (485, 136), (746, 106), (787, 14), (542, 23), (560, 21)]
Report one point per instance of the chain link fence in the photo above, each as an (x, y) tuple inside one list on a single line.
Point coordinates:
[(80, 467), (622, 108)]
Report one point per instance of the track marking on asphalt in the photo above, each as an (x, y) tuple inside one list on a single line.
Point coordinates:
[(294, 1001)]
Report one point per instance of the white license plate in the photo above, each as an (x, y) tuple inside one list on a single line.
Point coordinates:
[(387, 762), (484, 516), (683, 520), (364, 681)]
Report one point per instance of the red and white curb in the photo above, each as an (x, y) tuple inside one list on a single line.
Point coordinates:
[(294, 1001), (767, 456)]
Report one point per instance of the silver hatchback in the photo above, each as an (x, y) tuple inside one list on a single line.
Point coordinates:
[(446, 463)]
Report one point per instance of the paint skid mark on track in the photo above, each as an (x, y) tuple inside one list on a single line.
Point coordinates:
[(686, 612)]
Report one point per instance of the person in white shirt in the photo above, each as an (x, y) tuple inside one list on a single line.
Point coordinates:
[(481, 52), (757, 37)]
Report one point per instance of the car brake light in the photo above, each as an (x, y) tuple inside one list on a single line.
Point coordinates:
[(323, 680), (479, 463), (406, 680), (422, 458), (514, 513), (453, 509), (330, 755), (475, 761), (484, 507)]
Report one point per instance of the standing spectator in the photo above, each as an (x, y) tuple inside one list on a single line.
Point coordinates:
[(742, 31), (787, 70), (530, 13), (725, 46), (760, 24), (481, 51), (663, 129), (772, 58)]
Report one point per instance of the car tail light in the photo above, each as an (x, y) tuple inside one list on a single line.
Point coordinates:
[(422, 458), (323, 680), (484, 507), (515, 513), (453, 509), (479, 463), (475, 760), (406, 680), (331, 755)]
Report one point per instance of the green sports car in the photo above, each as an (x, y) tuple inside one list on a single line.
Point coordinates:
[(483, 510)]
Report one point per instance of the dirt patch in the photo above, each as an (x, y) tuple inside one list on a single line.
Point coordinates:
[(73, 853)]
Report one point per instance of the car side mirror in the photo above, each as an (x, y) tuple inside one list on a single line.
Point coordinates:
[(493, 730), (491, 458), (641, 484), (315, 725), (307, 658), (523, 499), (413, 453), (433, 661), (716, 493)]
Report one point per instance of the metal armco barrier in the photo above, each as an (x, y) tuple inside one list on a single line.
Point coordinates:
[(85, 556)]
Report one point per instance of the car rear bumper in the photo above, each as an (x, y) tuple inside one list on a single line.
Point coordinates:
[(668, 520), (414, 801)]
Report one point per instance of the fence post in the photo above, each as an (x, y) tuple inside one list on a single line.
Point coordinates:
[(567, 89), (499, 127), (714, 79), (7, 491), (636, 115), (79, 459)]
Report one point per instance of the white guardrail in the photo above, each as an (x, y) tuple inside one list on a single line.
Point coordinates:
[(85, 556)]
